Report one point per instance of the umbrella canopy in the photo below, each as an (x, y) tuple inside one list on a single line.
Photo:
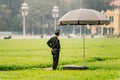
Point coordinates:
[(83, 17)]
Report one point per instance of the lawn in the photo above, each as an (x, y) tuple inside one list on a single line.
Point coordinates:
[(27, 59)]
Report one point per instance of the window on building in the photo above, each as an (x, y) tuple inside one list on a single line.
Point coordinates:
[(111, 18), (98, 31), (111, 31), (105, 31)]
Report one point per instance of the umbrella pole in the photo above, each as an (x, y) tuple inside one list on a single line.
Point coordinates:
[(84, 57)]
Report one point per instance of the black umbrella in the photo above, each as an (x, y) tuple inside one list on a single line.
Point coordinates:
[(83, 17)]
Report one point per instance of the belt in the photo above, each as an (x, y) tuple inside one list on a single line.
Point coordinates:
[(56, 49)]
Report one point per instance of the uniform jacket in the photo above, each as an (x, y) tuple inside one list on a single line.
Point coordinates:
[(54, 43)]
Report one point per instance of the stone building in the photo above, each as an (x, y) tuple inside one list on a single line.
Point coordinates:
[(114, 27)]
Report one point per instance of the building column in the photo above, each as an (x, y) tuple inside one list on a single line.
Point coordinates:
[(108, 31), (101, 31), (93, 30)]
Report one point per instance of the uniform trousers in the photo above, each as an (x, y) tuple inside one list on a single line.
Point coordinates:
[(55, 54)]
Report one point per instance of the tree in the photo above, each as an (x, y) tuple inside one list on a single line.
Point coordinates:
[(40, 13), (76, 4), (9, 10), (5, 16), (97, 4), (16, 25)]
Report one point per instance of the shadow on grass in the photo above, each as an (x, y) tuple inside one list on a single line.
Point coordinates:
[(103, 68), (98, 63), (16, 67), (103, 63), (94, 59)]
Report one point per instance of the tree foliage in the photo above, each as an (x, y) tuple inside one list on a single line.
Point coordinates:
[(5, 15), (97, 4), (39, 17)]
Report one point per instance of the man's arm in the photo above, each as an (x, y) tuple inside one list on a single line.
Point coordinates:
[(49, 43)]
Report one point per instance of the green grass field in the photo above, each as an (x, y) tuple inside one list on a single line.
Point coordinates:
[(27, 59)]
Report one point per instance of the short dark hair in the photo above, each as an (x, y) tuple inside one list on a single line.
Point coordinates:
[(57, 32)]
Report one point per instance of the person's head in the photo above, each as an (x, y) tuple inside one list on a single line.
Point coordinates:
[(57, 32)]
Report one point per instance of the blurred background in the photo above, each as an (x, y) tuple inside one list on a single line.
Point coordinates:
[(38, 17)]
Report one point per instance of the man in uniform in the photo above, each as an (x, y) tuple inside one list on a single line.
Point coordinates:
[(54, 44)]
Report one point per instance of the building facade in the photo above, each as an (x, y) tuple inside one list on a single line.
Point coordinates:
[(114, 27)]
